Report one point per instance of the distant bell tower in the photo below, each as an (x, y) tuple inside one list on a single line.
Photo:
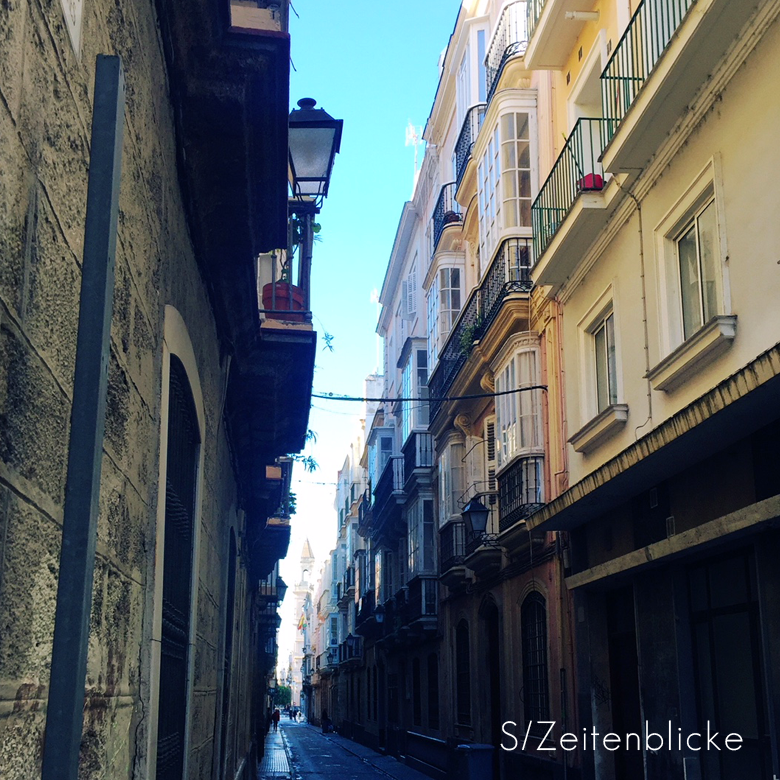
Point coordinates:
[(300, 591)]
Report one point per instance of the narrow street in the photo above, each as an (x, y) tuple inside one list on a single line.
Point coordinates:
[(302, 752)]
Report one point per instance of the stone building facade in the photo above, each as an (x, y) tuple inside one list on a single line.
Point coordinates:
[(203, 192)]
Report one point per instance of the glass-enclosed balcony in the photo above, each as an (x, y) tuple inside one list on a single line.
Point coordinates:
[(508, 273), (446, 212), (465, 143), (577, 170), (509, 41), (452, 546)]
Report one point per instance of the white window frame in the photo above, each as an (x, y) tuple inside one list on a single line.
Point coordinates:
[(706, 187), (521, 355), (491, 178), (451, 478), (605, 305)]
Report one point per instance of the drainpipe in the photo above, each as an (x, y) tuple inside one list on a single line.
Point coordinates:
[(65, 707), (645, 330)]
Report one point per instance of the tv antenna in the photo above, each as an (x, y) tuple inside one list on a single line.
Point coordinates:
[(414, 138)]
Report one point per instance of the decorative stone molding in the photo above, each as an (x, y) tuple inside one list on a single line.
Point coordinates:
[(463, 423), (600, 428), (703, 347)]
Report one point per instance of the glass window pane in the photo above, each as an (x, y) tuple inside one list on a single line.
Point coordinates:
[(522, 127), (508, 159), (455, 277), (525, 183), (707, 245), (510, 187), (689, 282), (507, 127), (602, 385), (611, 358), (525, 211), (524, 154)]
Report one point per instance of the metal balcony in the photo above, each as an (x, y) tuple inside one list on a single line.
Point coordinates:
[(520, 490), (366, 608), (509, 40), (389, 496), (577, 170), (508, 273), (445, 212), (648, 34), (662, 71), (418, 454), (468, 135)]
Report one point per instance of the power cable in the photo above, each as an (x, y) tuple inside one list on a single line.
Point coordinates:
[(469, 397)]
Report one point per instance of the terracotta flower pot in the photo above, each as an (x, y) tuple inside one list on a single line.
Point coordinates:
[(288, 304)]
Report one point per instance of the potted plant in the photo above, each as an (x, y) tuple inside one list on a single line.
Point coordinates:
[(283, 301)]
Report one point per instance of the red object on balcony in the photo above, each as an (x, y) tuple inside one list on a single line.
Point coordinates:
[(591, 181), (289, 302)]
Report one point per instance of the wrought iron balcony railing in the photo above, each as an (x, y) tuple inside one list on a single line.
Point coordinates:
[(576, 170), (509, 40), (388, 495), (446, 212), (390, 481), (468, 135), (452, 547), (508, 273), (418, 453), (366, 608), (648, 34), (520, 490)]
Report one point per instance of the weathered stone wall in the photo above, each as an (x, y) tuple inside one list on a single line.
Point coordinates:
[(45, 114)]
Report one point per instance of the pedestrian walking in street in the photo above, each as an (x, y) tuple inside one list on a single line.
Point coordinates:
[(275, 718)]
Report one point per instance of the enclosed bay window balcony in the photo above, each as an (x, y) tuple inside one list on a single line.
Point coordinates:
[(465, 143), (664, 57), (445, 213), (452, 547), (509, 273), (509, 42), (553, 29), (570, 209), (423, 598)]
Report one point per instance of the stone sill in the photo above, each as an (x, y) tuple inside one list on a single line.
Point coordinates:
[(701, 348), (600, 428)]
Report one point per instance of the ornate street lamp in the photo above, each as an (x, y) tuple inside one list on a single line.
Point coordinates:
[(475, 514), (314, 140), (281, 588), (379, 614)]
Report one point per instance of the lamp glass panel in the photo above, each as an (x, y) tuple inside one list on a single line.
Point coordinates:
[(310, 150)]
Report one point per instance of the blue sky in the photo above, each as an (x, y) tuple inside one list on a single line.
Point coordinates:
[(374, 65)]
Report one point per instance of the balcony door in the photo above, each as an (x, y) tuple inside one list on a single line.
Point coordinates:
[(182, 455)]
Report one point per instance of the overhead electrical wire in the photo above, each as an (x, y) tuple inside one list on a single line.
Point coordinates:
[(469, 397)]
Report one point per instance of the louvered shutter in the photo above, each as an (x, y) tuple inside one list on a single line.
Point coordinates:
[(411, 293), (490, 457)]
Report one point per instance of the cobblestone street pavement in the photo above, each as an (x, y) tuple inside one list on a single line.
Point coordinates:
[(315, 756)]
